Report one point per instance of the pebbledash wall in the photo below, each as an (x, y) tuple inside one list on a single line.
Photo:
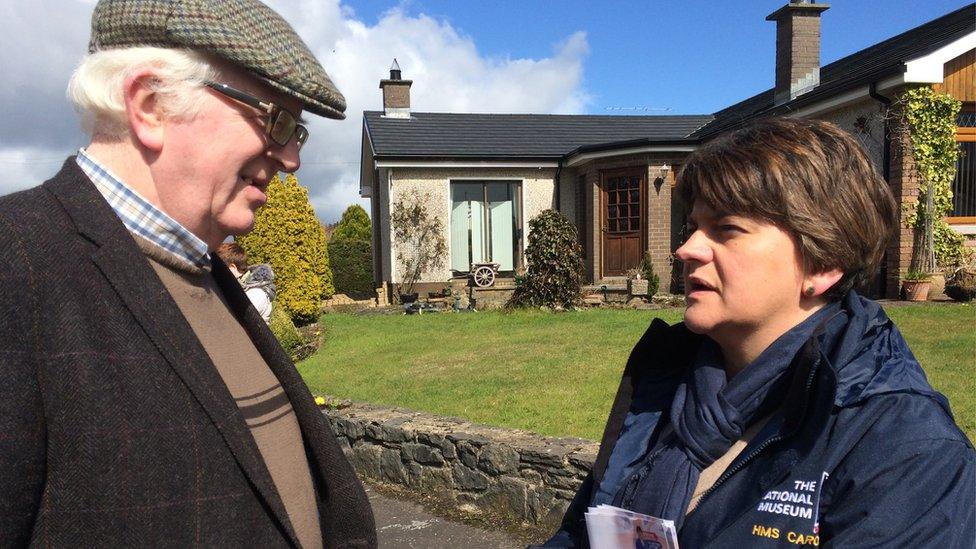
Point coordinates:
[(395, 183), (520, 475)]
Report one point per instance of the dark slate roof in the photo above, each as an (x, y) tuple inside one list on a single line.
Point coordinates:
[(867, 66), (529, 136)]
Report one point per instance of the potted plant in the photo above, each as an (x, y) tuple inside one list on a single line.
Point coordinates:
[(915, 285), (406, 298)]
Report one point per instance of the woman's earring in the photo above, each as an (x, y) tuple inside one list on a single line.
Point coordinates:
[(810, 291)]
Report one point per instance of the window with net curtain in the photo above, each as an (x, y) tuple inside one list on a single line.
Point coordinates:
[(484, 216)]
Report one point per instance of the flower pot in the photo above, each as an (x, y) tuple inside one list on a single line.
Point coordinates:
[(915, 290), (637, 286), (937, 289), (408, 298)]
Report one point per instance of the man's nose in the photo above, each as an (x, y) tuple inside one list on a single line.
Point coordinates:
[(288, 156)]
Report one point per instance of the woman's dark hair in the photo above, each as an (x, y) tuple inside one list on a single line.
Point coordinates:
[(808, 177), (231, 253)]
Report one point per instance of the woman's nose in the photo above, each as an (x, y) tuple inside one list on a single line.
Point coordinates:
[(695, 249)]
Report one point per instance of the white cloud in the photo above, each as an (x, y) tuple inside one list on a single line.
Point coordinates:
[(449, 75)]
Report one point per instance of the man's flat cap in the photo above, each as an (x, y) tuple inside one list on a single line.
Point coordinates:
[(244, 32)]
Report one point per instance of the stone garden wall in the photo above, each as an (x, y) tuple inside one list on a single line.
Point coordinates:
[(513, 473)]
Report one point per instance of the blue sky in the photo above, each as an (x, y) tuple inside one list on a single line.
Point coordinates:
[(528, 56), (672, 57)]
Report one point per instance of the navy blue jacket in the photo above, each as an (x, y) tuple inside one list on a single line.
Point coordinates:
[(863, 452)]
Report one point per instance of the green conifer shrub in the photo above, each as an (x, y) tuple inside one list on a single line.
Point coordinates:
[(351, 260), (555, 264), (354, 224), (646, 268), (287, 236), (351, 254)]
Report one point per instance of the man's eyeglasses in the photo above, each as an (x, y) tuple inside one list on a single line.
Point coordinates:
[(281, 125)]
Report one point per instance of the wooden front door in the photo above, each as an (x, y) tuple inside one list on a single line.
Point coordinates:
[(623, 212)]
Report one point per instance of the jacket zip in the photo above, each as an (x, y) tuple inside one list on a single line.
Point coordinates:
[(635, 479), (632, 485), (768, 442)]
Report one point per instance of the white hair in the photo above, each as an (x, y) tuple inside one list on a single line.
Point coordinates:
[(96, 86)]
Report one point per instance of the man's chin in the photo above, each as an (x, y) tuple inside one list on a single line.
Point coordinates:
[(241, 228)]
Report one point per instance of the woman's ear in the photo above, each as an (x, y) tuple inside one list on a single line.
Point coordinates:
[(142, 110), (816, 284)]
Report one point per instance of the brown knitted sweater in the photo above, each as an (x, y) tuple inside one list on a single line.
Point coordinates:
[(258, 393)]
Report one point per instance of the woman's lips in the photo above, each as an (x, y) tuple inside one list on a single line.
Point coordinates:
[(697, 286)]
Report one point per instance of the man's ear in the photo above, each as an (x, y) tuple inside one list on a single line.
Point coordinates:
[(142, 110), (820, 282)]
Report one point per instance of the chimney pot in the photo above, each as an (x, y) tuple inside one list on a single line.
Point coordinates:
[(396, 93), (395, 70)]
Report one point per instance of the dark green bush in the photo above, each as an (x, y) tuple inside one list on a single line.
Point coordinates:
[(961, 286), (646, 269), (555, 264), (352, 267), (354, 225)]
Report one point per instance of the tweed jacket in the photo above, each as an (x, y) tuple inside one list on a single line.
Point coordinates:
[(115, 427)]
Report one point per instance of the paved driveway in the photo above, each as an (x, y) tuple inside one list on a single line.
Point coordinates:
[(407, 525)]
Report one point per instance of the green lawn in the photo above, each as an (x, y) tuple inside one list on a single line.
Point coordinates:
[(556, 374)]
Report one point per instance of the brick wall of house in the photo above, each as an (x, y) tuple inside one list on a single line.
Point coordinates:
[(904, 185)]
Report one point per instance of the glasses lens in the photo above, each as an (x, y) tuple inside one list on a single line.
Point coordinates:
[(301, 134), (283, 127)]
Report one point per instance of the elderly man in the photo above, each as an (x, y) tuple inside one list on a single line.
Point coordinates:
[(144, 401)]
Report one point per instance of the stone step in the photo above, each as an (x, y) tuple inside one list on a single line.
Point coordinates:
[(611, 287)]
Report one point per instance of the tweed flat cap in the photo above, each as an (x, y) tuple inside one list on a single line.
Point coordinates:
[(244, 32)]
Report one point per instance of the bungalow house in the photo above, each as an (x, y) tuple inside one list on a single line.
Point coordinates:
[(485, 175)]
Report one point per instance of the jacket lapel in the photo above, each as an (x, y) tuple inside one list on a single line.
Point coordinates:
[(125, 267)]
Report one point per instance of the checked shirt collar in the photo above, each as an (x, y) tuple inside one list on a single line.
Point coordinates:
[(142, 218)]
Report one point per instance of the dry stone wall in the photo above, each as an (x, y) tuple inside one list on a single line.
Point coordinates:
[(509, 472)]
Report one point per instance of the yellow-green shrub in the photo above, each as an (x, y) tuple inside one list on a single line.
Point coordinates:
[(285, 331), (287, 235)]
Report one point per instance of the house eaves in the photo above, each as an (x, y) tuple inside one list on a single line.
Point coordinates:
[(466, 162), (454, 137), (632, 146)]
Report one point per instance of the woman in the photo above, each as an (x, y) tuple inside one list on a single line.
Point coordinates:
[(257, 280), (786, 409)]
